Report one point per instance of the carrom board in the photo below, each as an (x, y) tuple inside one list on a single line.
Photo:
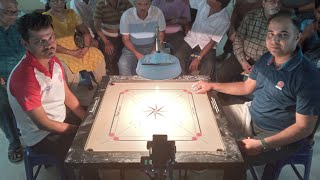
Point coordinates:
[(131, 112)]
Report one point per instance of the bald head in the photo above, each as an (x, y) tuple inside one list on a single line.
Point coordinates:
[(288, 17)]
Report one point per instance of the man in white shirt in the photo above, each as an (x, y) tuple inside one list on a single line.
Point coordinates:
[(211, 23), (137, 27)]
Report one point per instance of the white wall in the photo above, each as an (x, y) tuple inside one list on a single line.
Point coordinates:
[(29, 5)]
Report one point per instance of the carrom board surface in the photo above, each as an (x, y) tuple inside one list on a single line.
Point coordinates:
[(131, 112)]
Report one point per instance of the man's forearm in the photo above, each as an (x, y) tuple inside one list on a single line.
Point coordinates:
[(302, 128), (40, 118), (307, 8), (102, 36), (63, 50), (128, 44), (83, 29), (59, 127), (97, 26), (161, 36), (73, 104), (207, 48), (290, 135), (76, 108), (235, 88)]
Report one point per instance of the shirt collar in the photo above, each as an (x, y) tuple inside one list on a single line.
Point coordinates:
[(292, 63), (214, 14), (35, 63)]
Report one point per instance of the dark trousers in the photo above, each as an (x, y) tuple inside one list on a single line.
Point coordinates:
[(207, 63), (112, 60), (174, 41), (228, 70), (7, 120), (272, 155), (58, 145)]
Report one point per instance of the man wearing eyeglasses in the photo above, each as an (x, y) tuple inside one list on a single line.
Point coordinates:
[(11, 53)]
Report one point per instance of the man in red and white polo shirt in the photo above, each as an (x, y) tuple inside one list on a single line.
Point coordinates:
[(38, 93)]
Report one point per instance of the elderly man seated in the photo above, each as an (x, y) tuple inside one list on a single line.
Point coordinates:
[(137, 26)]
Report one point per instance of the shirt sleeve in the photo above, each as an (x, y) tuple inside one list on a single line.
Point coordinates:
[(124, 24), (308, 97), (98, 12), (195, 4), (61, 66), (238, 45), (255, 70), (220, 30), (162, 21), (26, 91)]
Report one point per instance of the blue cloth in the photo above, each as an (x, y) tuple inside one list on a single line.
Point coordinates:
[(86, 77), (280, 93), (159, 66), (11, 50)]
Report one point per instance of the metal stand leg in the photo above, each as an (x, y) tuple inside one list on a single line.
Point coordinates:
[(122, 174)]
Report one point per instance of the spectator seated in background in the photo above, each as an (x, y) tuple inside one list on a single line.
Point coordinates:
[(84, 9), (310, 40), (178, 18), (302, 8), (78, 58), (11, 52), (211, 23), (240, 9), (249, 43), (137, 26), (107, 16), (286, 105)]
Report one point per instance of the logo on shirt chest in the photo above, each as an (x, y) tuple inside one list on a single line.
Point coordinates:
[(48, 88), (280, 85), (26, 99)]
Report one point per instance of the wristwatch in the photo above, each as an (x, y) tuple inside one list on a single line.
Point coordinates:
[(265, 146)]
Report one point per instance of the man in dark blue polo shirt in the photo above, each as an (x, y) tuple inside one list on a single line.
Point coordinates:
[(286, 103)]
